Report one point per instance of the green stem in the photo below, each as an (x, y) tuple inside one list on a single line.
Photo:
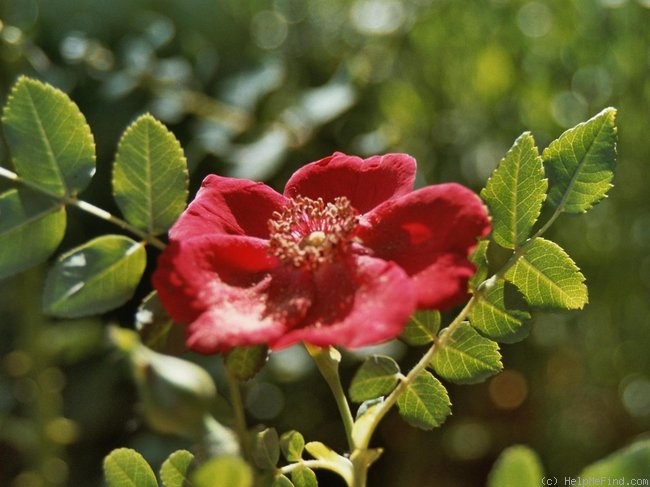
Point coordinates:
[(417, 369), (240, 416), (327, 361), (313, 464), (88, 208)]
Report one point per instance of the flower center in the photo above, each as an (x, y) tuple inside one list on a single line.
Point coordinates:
[(310, 232)]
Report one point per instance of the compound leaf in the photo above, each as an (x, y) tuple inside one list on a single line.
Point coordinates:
[(580, 163), (515, 193), (245, 362), (547, 276), (292, 444), (174, 470), (517, 466), (421, 328), (630, 462), (31, 228), (302, 476), (465, 357), (425, 403), (223, 470), (377, 376), (266, 449), (150, 179), (49, 139), (492, 317), (95, 277), (125, 467)]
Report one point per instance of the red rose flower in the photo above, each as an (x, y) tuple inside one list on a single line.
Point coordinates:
[(343, 257)]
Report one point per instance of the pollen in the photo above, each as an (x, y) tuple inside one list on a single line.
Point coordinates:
[(308, 232)]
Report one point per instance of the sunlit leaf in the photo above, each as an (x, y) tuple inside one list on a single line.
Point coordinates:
[(377, 376), (517, 466), (425, 403), (174, 470), (302, 476), (31, 228), (245, 362), (223, 470), (266, 449), (292, 444), (127, 468), (515, 193), (580, 163), (95, 277), (282, 481), (421, 328), (492, 317), (479, 258), (50, 142), (632, 462), (547, 276), (465, 357), (150, 179)]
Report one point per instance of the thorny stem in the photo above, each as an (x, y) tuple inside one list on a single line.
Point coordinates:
[(88, 208)]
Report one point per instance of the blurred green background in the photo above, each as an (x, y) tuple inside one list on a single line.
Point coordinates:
[(256, 88)]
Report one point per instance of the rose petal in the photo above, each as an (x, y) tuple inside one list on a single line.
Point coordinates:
[(430, 233), (366, 183), (359, 302), (231, 206), (186, 268), (230, 292)]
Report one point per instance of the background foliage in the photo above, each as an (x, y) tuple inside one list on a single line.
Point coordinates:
[(257, 88)]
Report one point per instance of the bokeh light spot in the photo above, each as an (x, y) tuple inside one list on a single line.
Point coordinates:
[(377, 16), (264, 400), (467, 440), (269, 29), (535, 19), (635, 395), (508, 390)]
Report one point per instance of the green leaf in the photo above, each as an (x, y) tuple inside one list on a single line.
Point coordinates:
[(282, 481), (127, 468), (302, 476), (150, 179), (492, 317), (425, 403), (515, 193), (580, 163), (95, 277), (479, 258), (632, 462), (245, 362), (49, 140), (223, 470), (174, 470), (266, 449), (547, 276), (465, 357), (421, 328), (292, 443), (31, 228), (517, 466), (377, 376), (156, 328)]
